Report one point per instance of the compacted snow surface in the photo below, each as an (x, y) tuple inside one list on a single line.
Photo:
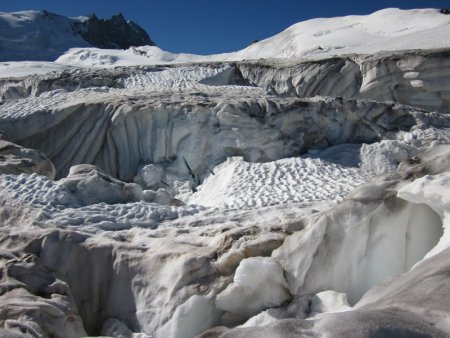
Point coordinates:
[(296, 188), (239, 184)]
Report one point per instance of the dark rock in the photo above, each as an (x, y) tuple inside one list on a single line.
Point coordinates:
[(114, 33), (445, 11)]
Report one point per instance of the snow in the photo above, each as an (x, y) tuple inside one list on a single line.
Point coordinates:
[(329, 301), (258, 284), (40, 34), (363, 241), (240, 184), (134, 56), (149, 175), (90, 186), (26, 68), (175, 77), (431, 190), (386, 30), (191, 318), (269, 234), (385, 156)]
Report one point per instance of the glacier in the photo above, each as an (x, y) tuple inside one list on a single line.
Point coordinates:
[(296, 188)]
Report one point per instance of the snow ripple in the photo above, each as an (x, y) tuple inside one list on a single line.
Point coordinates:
[(176, 77), (240, 184)]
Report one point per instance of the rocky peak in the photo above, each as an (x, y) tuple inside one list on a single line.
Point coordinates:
[(115, 33)]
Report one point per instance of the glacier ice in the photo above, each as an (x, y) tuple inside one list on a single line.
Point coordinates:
[(271, 197), (258, 284), (15, 159)]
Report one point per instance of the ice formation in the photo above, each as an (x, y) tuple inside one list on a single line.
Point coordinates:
[(151, 194)]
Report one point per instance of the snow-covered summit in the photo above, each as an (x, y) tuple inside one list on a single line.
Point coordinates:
[(40, 35), (33, 35), (388, 29)]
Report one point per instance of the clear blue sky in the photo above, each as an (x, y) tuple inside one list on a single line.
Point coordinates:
[(214, 26)]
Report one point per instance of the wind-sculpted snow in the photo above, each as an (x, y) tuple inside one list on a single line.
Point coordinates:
[(182, 77), (71, 79), (239, 184)]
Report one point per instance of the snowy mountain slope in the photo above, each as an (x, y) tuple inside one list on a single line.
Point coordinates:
[(386, 30), (35, 35), (135, 56), (26, 68)]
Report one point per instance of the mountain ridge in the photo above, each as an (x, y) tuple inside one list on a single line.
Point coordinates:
[(44, 36)]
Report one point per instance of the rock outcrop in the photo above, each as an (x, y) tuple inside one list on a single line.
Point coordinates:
[(114, 33)]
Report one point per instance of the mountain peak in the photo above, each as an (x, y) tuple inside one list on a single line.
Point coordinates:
[(44, 36), (115, 33)]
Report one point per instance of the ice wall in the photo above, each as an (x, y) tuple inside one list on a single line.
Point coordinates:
[(415, 78), (188, 130)]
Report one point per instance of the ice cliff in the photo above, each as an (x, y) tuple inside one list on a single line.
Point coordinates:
[(284, 197)]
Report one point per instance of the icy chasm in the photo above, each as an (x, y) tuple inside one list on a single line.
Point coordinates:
[(273, 198)]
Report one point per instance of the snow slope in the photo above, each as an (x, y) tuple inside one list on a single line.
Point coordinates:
[(386, 30), (37, 35), (26, 68), (134, 56), (239, 184)]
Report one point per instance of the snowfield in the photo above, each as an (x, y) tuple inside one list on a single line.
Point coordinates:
[(296, 188), (241, 185), (386, 30)]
